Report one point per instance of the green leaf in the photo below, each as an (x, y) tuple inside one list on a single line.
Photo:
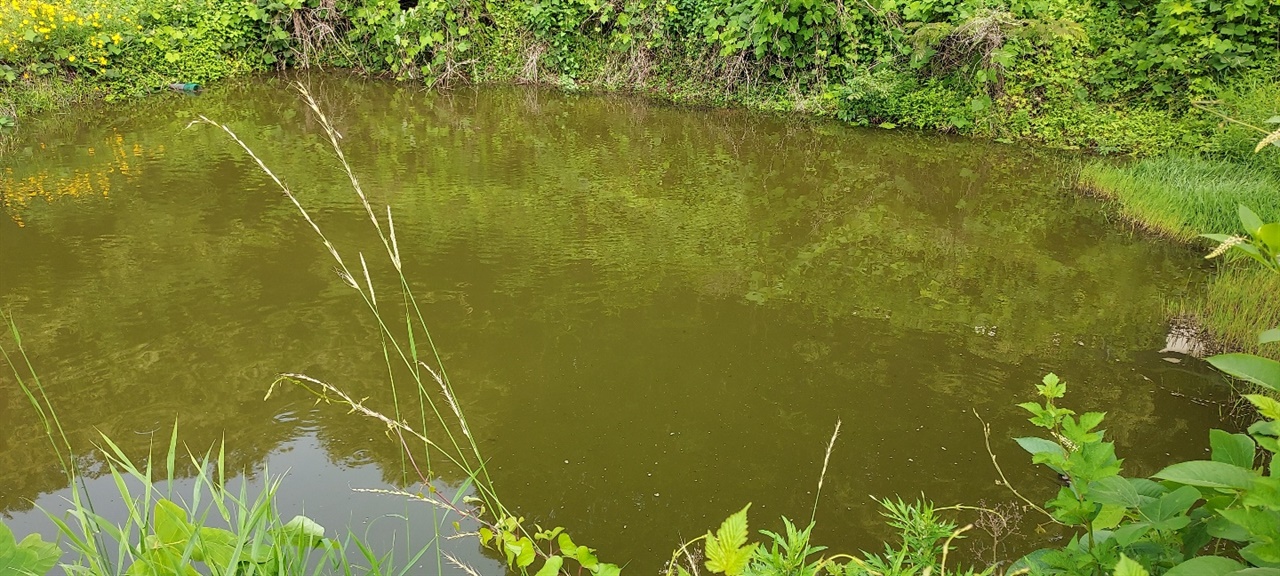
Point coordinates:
[(1269, 234), (1117, 491), (1035, 446), (527, 553), (1109, 517), (585, 557), (567, 547), (1234, 449), (1266, 405), (551, 567), (1252, 223), (1205, 566), (1255, 572), (31, 556), (1261, 371), (217, 547), (1264, 494), (605, 569), (1269, 336), (1170, 506), (1207, 474), (171, 526), (1130, 533), (727, 552), (1128, 567), (303, 532)]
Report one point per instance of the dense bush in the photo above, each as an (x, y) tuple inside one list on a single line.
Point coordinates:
[(1116, 75)]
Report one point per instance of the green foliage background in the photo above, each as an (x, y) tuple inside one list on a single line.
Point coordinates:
[(1113, 75)]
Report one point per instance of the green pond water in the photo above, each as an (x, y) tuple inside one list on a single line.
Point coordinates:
[(652, 315)]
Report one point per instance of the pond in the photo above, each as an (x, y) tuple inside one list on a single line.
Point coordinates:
[(653, 315)]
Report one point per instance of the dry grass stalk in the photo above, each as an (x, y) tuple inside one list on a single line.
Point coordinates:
[(453, 402), (465, 568)]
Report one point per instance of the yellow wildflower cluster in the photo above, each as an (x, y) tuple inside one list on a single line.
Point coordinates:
[(103, 166), (79, 33)]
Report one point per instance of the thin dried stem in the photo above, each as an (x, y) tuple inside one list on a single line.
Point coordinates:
[(826, 459), (986, 436)]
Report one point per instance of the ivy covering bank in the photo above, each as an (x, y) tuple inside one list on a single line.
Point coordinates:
[(1112, 75)]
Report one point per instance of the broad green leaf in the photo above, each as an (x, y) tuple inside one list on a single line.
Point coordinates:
[(1130, 533), (1116, 491), (1265, 553), (1259, 524), (1147, 487), (1205, 566), (1094, 461), (1269, 336), (1264, 494), (567, 547), (1170, 506), (551, 567), (1129, 567), (1261, 371), (171, 526), (1234, 449), (303, 532), (1250, 220), (31, 556), (1207, 474), (1109, 517), (727, 552), (605, 569), (1255, 572), (217, 547), (1270, 235), (1267, 406), (527, 554), (585, 557), (1034, 445)]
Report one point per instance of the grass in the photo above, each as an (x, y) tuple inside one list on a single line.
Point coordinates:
[(1182, 197), (1240, 302), (1185, 196), (164, 533)]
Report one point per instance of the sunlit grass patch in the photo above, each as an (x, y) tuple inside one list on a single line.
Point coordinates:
[(1183, 196)]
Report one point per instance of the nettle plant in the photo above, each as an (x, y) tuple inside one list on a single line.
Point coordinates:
[(1213, 517)]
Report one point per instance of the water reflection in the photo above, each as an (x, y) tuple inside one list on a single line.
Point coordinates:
[(653, 315)]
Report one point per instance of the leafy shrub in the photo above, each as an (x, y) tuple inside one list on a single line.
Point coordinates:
[(429, 41), (1163, 523)]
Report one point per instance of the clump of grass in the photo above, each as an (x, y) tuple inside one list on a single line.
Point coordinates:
[(1240, 303), (222, 530), (1185, 196)]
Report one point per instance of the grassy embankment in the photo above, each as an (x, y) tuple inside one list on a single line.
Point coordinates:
[(1182, 197)]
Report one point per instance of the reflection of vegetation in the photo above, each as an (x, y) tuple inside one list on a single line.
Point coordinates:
[(17, 194), (580, 248)]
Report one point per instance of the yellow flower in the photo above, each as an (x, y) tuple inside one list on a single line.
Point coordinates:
[(71, 58)]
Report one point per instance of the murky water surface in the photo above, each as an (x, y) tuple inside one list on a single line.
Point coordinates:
[(653, 315)]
